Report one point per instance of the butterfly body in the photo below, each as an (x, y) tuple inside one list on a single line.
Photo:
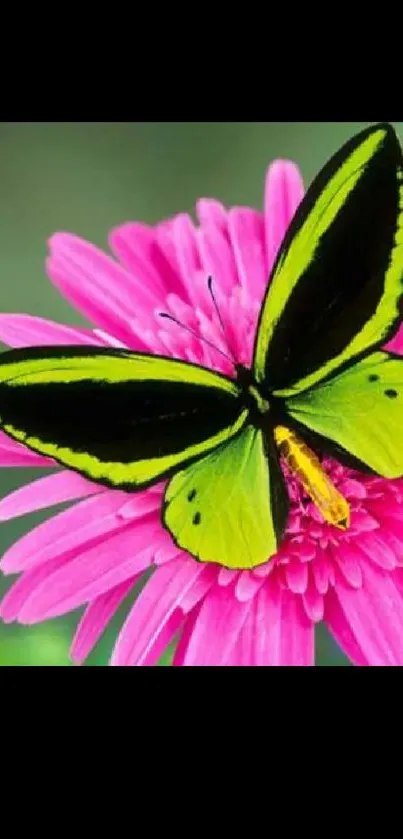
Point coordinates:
[(320, 380)]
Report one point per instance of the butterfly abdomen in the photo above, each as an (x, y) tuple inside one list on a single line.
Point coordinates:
[(306, 467)]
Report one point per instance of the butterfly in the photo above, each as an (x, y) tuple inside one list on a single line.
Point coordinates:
[(319, 383)]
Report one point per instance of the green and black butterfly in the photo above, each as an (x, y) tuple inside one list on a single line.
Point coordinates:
[(128, 420)]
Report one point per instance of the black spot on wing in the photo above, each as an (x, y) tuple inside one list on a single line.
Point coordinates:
[(196, 518)]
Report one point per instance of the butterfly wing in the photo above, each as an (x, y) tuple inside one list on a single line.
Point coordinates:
[(122, 419), (232, 506), (335, 289), (127, 420), (358, 412)]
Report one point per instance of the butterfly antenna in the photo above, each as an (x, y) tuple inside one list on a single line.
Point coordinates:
[(215, 304), (195, 334)]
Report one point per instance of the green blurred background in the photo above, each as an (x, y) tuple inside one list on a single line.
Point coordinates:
[(86, 178)]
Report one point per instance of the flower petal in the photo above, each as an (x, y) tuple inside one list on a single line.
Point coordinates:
[(203, 583), (340, 629), (102, 290), (96, 618), (297, 576), (94, 571), (161, 597), (374, 614), (270, 630), (247, 235), (348, 559), (396, 344), (210, 211), (67, 532), (283, 193), (218, 258), (15, 454), (165, 637), (25, 330), (373, 546), (321, 569), (188, 256), (22, 589), (313, 604), (247, 585), (45, 492), (186, 634), (217, 628), (135, 246)]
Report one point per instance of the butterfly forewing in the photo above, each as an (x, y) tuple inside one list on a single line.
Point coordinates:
[(336, 287), (120, 418)]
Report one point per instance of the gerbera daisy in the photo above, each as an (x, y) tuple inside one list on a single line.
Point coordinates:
[(94, 553)]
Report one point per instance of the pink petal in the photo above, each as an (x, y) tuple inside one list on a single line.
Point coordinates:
[(321, 570), (247, 235), (135, 246), (22, 589), (218, 258), (352, 488), (362, 522), (275, 633), (140, 504), (294, 633), (45, 492), (187, 251), (102, 290), (340, 629), (211, 212), (25, 330), (203, 583), (374, 614), (165, 637), (67, 532), (93, 572), (15, 454), (186, 634), (313, 604), (373, 546), (96, 618), (396, 344), (297, 576), (161, 597), (348, 559), (395, 545), (226, 576), (219, 623), (247, 585), (168, 256), (284, 192)]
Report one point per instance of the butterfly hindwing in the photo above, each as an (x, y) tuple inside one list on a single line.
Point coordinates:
[(335, 289), (360, 411), (121, 418), (230, 507)]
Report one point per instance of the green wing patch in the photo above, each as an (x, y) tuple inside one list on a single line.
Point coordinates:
[(360, 410), (232, 506)]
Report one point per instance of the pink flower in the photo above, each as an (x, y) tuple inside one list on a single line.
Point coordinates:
[(95, 552)]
